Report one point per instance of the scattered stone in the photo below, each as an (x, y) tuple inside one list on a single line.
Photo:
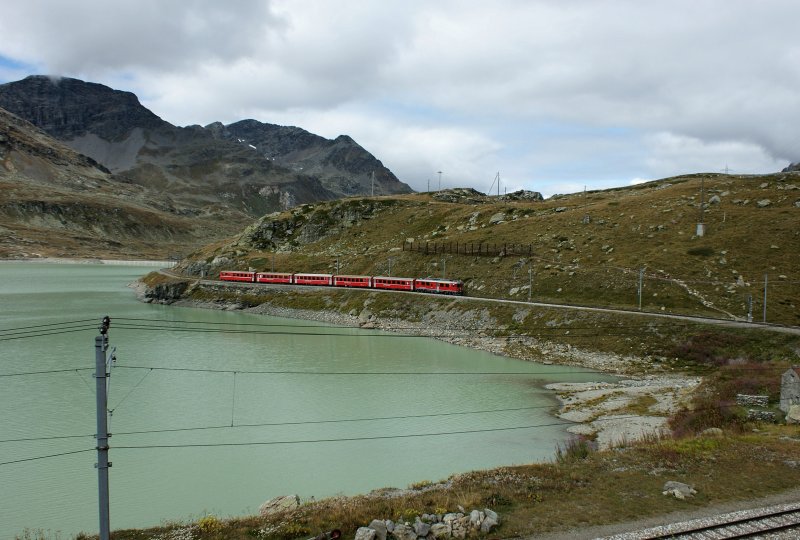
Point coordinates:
[(365, 533), (440, 530), (761, 416), (793, 416), (752, 401), (280, 504), (497, 218), (713, 432), (404, 532), (764, 185), (561, 209), (380, 529), (421, 528), (678, 490), (763, 203), (714, 200)]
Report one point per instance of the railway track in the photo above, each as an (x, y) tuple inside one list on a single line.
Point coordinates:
[(781, 522)]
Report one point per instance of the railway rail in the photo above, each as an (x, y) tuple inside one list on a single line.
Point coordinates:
[(782, 522)]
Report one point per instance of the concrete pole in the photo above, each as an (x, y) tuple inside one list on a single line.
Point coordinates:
[(101, 378), (530, 282), (765, 298), (641, 277)]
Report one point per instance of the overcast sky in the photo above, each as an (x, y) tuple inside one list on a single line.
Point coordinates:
[(554, 95)]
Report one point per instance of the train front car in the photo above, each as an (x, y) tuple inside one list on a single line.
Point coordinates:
[(439, 286), (234, 275)]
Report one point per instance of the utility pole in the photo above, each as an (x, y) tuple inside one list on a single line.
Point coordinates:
[(641, 278), (530, 282), (765, 298), (444, 268), (749, 308), (701, 226), (440, 179), (429, 185), (273, 261), (373, 183), (337, 265), (101, 364)]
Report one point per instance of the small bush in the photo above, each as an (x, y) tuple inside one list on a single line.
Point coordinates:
[(700, 251), (209, 525), (573, 450)]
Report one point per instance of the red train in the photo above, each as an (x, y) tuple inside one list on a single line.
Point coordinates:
[(428, 285)]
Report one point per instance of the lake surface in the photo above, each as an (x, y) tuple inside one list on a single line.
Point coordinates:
[(349, 376)]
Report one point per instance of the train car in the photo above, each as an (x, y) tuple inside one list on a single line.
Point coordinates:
[(352, 281), (393, 283), (274, 277), (442, 286), (313, 279), (233, 275)]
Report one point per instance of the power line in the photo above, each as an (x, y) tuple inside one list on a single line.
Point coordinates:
[(297, 372), (41, 334), (43, 372), (45, 325), (47, 456)]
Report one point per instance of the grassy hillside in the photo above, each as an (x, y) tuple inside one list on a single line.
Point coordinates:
[(584, 248)]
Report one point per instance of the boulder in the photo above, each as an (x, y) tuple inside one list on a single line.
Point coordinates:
[(678, 490), (497, 218), (421, 528), (365, 533), (763, 203), (380, 529), (714, 199), (714, 432), (440, 530), (793, 416), (475, 518), (404, 532), (488, 524), (284, 503)]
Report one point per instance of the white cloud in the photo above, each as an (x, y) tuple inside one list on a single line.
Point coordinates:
[(671, 154), (627, 89)]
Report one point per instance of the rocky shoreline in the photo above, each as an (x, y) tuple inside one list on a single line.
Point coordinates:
[(635, 407)]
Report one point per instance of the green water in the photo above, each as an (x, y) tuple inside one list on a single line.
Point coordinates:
[(152, 485)]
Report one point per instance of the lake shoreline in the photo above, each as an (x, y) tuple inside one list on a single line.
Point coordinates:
[(634, 408)]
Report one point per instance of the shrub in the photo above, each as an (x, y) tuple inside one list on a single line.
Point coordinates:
[(209, 525), (575, 449)]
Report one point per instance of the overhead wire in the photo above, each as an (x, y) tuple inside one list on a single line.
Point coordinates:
[(45, 325), (35, 458), (43, 334)]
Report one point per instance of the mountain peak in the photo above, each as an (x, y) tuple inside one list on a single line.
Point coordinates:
[(68, 108)]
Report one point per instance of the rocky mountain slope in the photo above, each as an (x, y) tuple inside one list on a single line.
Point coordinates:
[(251, 167), (578, 249), (59, 203)]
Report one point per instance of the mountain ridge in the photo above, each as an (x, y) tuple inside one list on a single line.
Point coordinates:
[(197, 165)]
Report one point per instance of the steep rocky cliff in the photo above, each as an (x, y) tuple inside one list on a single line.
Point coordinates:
[(248, 166)]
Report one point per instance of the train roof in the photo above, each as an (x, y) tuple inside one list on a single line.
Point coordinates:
[(440, 280)]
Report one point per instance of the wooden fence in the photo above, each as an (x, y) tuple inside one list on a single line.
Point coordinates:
[(469, 248)]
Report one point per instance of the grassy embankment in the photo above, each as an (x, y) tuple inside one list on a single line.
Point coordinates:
[(578, 489)]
